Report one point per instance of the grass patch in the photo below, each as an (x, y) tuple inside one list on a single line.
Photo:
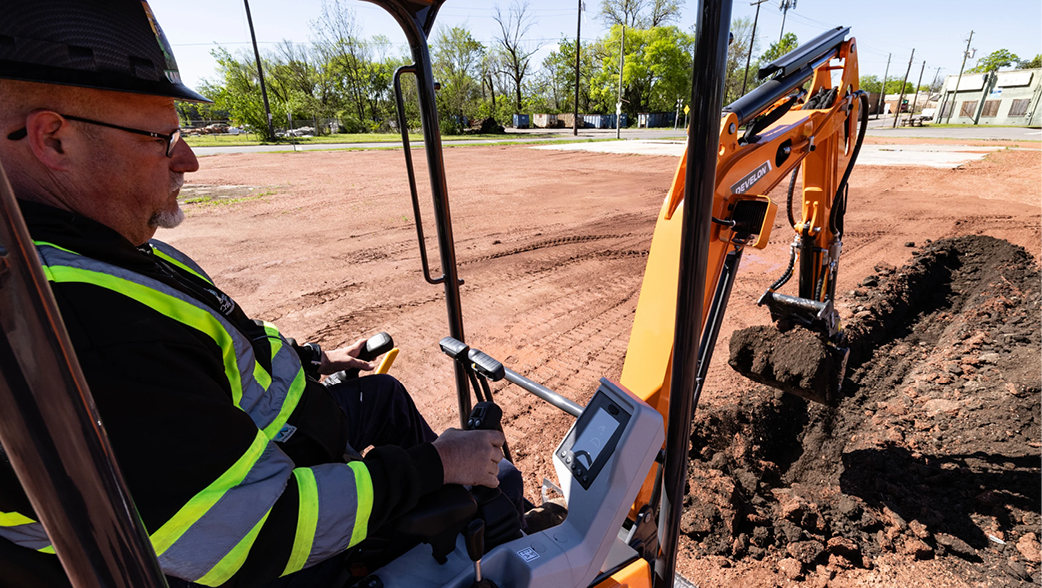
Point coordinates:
[(345, 138), (461, 145)]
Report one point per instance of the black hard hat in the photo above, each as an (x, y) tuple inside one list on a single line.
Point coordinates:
[(103, 44)]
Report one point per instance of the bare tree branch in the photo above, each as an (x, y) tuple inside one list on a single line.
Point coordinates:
[(515, 54), (664, 12), (623, 12)]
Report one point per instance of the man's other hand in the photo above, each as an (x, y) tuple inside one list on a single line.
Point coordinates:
[(345, 358), (470, 457)]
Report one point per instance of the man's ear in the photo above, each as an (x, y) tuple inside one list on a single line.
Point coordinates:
[(49, 136)]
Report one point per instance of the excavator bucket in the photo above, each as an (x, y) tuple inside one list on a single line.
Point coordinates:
[(797, 360)]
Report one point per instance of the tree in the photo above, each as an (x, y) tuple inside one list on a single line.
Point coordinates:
[(556, 87), (787, 43), (622, 12), (1034, 63), (631, 12), (664, 12), (515, 55), (456, 58), (348, 59), (238, 92), (894, 87), (742, 28), (995, 61), (657, 70), (870, 84)]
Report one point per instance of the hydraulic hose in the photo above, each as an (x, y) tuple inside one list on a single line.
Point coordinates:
[(840, 203), (788, 201)]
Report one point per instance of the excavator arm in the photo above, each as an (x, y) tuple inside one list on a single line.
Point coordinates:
[(785, 134)]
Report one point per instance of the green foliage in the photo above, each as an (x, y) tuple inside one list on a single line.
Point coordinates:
[(995, 61), (737, 57), (874, 84), (555, 85), (870, 84), (787, 43), (1033, 63), (656, 71), (457, 58), (894, 87), (238, 92)]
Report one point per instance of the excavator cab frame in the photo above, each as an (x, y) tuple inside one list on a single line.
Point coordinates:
[(58, 447)]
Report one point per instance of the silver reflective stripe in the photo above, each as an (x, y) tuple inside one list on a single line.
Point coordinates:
[(179, 258), (231, 518), (265, 401), (340, 508), (30, 535)]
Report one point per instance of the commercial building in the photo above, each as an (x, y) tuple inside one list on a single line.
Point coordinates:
[(993, 98)]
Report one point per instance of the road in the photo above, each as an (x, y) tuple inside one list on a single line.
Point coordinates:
[(877, 128)]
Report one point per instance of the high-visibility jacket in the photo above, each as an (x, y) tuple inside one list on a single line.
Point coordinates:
[(231, 454)]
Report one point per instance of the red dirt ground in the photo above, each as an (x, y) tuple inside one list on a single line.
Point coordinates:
[(552, 247)]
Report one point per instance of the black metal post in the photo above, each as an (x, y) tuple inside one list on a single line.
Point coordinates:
[(417, 19), (578, 48), (707, 95), (51, 431), (901, 97), (260, 71), (752, 42)]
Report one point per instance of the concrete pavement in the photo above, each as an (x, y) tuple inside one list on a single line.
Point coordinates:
[(877, 128)]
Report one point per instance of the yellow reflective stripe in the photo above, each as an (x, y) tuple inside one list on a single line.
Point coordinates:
[(275, 336), (263, 377), (202, 502), (49, 549), (165, 304), (289, 404), (46, 244), (307, 520), (364, 492), (11, 519), (181, 265), (230, 563)]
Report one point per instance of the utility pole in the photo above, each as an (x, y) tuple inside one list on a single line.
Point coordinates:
[(911, 111), (882, 91), (752, 41), (618, 105), (784, 6), (260, 72), (955, 93), (901, 98), (578, 45)]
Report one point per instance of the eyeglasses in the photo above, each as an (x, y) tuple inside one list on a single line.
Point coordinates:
[(171, 139)]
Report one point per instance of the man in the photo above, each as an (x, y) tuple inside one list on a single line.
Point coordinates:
[(232, 450)]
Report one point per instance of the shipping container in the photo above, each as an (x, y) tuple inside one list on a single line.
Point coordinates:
[(648, 120), (520, 121), (544, 121)]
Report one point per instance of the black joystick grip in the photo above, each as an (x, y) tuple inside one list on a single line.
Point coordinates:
[(474, 537), (376, 346), (485, 416)]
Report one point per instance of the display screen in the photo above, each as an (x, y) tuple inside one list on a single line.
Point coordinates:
[(593, 439)]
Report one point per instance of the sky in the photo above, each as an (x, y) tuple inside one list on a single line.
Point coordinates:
[(936, 29)]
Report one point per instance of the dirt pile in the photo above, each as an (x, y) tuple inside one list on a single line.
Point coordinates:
[(933, 452)]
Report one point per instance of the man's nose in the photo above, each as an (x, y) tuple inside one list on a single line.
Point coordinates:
[(183, 159)]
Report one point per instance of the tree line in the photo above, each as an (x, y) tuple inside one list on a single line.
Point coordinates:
[(344, 76)]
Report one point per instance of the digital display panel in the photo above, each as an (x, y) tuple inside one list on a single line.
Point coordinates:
[(593, 439)]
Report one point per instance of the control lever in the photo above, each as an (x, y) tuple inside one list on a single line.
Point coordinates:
[(474, 538), (501, 517), (376, 346)]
